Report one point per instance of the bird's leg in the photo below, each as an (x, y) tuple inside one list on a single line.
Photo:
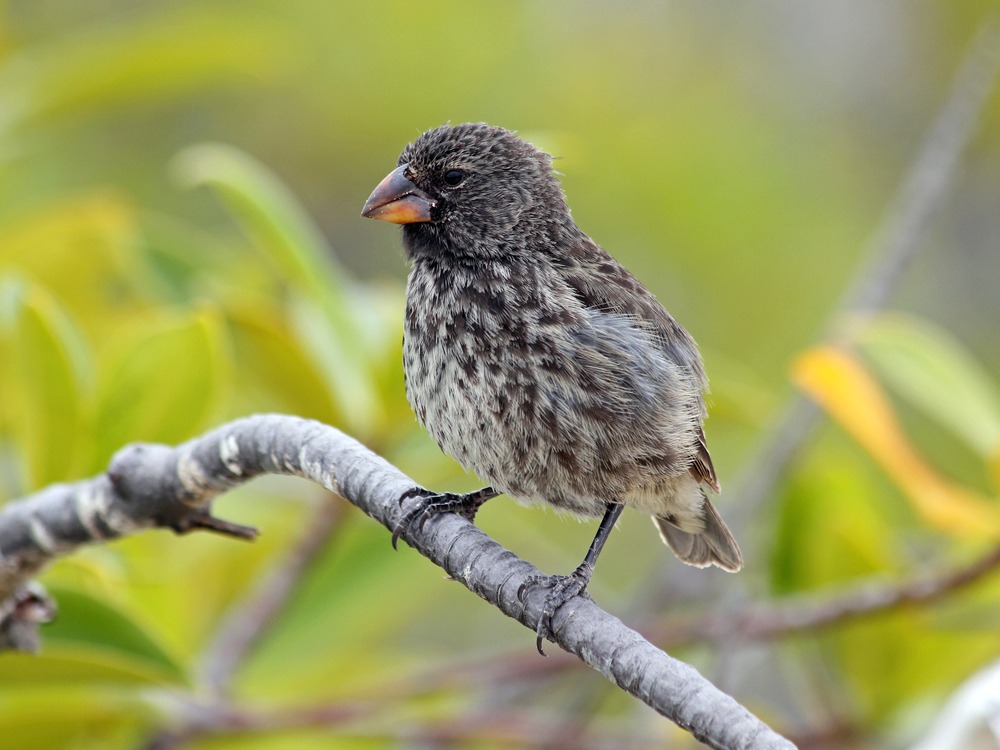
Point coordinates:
[(563, 588), (430, 503)]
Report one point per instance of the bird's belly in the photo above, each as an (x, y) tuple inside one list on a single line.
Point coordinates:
[(525, 426), (474, 409)]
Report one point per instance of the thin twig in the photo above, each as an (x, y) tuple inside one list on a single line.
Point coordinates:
[(361, 720), (812, 613), (504, 729), (866, 601), (197, 719)]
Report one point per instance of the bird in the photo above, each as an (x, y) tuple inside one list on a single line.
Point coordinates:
[(538, 361)]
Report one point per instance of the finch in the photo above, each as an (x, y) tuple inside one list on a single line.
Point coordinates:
[(538, 361)]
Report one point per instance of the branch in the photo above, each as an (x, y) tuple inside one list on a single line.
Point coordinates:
[(154, 485), (359, 720), (813, 614), (773, 620)]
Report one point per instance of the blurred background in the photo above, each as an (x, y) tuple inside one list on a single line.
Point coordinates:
[(180, 244)]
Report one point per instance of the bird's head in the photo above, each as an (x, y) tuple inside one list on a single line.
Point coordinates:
[(473, 190)]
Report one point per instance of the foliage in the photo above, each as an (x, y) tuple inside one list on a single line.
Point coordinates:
[(156, 280)]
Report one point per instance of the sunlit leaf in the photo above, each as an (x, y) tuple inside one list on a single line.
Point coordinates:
[(933, 371), (67, 718), (285, 377), (271, 216), (838, 382), (90, 623), (101, 65), (268, 212), (163, 383), (45, 373), (80, 249)]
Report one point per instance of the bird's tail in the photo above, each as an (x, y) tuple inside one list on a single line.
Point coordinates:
[(714, 545)]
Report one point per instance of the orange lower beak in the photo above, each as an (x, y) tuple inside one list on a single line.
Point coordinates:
[(398, 201)]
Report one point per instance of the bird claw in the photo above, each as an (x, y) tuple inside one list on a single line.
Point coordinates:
[(413, 492), (561, 590), (408, 517), (430, 504)]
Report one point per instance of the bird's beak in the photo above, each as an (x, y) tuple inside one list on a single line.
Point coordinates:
[(398, 201)]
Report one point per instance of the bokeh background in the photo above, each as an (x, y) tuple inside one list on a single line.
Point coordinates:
[(180, 244)]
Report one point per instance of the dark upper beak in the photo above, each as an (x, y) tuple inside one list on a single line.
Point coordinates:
[(399, 201)]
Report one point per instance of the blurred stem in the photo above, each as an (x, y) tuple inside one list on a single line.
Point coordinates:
[(199, 720), (890, 253), (776, 620), (249, 620), (811, 613), (508, 728)]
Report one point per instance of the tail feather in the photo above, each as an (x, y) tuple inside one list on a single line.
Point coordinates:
[(714, 545)]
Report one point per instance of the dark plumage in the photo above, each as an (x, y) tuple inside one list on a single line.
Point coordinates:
[(538, 361)]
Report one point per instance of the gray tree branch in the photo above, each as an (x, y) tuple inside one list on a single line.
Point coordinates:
[(150, 485)]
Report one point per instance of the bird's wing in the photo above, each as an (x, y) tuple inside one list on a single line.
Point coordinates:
[(602, 283), (702, 469)]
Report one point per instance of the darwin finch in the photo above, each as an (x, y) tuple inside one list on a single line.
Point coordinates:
[(537, 360)]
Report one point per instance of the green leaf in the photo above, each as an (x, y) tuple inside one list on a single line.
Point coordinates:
[(78, 716), (163, 383), (271, 216), (98, 65), (109, 638), (324, 313), (838, 497), (313, 645), (342, 362), (285, 378), (906, 654), (937, 375), (45, 371)]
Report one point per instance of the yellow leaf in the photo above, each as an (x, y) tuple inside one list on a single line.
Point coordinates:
[(44, 376), (83, 251), (838, 382), (162, 382)]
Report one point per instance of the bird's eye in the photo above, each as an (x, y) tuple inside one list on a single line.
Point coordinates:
[(454, 177)]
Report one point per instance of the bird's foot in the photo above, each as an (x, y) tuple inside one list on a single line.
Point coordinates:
[(428, 503), (561, 589)]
